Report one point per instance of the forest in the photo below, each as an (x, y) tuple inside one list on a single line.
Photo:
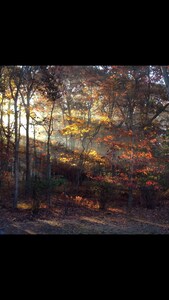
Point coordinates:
[(84, 149)]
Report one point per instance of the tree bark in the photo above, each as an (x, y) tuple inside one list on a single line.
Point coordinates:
[(49, 132), (27, 148), (16, 155)]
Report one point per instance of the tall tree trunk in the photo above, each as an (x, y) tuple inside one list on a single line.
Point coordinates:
[(27, 154), (9, 128), (49, 132), (16, 156), (34, 151), (48, 174), (1, 128), (27, 150), (1, 118)]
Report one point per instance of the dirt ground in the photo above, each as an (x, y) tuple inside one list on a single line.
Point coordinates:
[(84, 220)]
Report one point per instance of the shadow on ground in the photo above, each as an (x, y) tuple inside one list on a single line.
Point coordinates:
[(77, 220)]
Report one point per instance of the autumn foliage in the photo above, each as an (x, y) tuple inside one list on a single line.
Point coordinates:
[(98, 132)]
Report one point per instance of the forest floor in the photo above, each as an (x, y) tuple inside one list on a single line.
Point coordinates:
[(84, 220)]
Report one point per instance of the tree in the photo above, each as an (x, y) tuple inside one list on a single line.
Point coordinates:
[(15, 81), (27, 91), (50, 88)]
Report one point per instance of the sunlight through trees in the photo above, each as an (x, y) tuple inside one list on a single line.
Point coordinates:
[(97, 132)]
